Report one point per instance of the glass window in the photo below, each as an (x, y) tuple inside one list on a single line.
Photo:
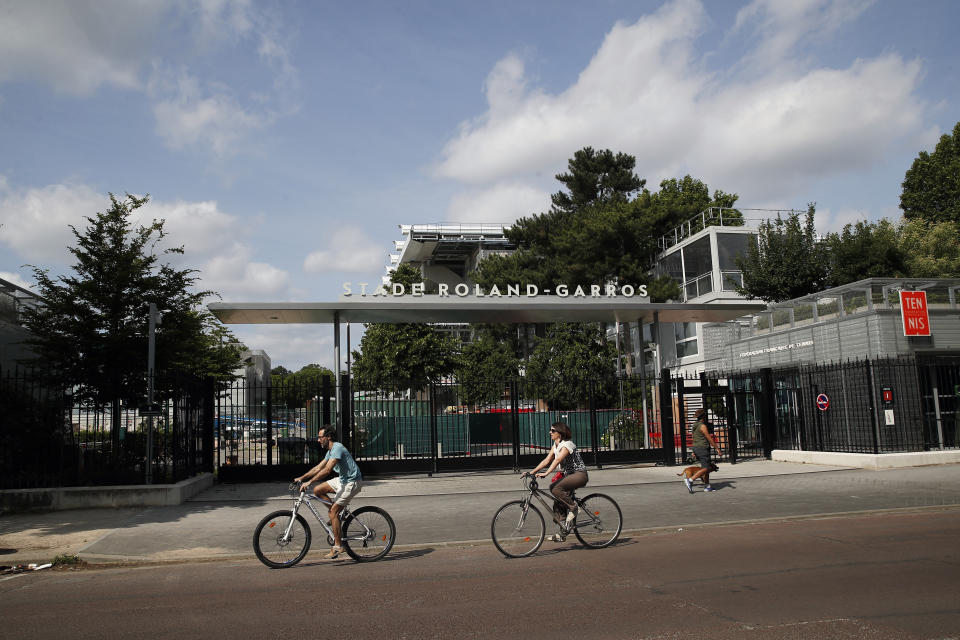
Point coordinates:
[(729, 247), (686, 337), (672, 267), (697, 258)]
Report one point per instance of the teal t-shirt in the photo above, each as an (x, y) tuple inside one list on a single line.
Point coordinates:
[(346, 466)]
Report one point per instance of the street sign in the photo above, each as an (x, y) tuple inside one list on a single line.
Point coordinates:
[(151, 410), (823, 402), (913, 311), (887, 395)]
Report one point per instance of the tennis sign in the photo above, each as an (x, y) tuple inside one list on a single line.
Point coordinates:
[(913, 311)]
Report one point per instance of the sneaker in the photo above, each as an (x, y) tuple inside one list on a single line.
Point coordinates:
[(557, 537), (689, 484), (333, 553), (571, 519), (709, 488)]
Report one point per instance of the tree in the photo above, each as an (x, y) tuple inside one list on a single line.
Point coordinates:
[(784, 261), (930, 249), (566, 360), (598, 233), (403, 356), (931, 186), (91, 330), (294, 389), (864, 250), (596, 177), (486, 364)]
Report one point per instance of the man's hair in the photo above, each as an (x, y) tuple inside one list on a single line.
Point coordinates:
[(329, 431), (700, 413), (563, 430)]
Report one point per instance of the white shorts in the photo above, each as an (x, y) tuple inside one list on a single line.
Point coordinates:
[(343, 493)]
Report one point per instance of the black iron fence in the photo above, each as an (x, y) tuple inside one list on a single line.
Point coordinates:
[(247, 432), (48, 437)]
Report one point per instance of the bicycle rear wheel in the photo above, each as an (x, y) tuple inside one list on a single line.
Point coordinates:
[(517, 529), (368, 534), (599, 521), (276, 550)]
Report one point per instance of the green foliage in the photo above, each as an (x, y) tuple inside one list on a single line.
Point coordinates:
[(486, 364), (864, 250), (785, 260), (565, 360), (92, 328), (403, 356), (596, 177), (294, 389), (626, 427), (663, 288), (931, 186), (67, 560), (931, 249)]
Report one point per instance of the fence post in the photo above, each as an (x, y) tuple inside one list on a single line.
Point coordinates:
[(208, 400), (346, 413), (768, 429), (680, 426), (323, 411), (872, 407), (666, 419), (433, 430), (732, 438), (269, 425), (594, 439), (515, 424)]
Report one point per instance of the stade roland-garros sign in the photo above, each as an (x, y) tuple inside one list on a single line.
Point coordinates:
[(462, 290)]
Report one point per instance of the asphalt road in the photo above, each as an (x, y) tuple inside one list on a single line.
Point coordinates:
[(887, 575)]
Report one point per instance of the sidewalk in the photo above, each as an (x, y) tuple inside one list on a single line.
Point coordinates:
[(218, 523)]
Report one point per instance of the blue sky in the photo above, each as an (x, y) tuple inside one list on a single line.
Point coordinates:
[(283, 142)]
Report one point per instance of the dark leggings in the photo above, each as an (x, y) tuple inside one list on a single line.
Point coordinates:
[(562, 488)]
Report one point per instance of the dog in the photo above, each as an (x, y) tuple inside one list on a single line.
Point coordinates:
[(690, 471)]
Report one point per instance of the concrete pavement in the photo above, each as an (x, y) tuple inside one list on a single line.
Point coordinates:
[(218, 523)]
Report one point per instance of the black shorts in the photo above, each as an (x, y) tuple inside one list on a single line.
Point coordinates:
[(703, 456)]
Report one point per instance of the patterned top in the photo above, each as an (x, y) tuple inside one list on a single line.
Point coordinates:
[(573, 462)]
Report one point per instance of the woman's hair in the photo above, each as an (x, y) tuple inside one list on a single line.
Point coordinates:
[(563, 430)]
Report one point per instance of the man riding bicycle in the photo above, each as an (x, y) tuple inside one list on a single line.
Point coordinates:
[(344, 487)]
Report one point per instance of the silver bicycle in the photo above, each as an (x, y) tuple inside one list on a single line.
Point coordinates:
[(518, 527), (282, 538)]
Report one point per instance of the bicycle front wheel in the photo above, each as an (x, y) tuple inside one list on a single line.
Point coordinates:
[(517, 529), (599, 521), (274, 546), (368, 534)]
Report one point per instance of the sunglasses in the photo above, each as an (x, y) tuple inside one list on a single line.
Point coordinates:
[(554, 431)]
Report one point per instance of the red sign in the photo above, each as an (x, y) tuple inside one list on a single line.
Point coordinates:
[(913, 310), (823, 402)]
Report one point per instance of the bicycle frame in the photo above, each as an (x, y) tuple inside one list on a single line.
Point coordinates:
[(534, 491), (307, 499)]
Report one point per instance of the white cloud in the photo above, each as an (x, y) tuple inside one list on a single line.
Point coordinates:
[(765, 135), (77, 47), (781, 25), (236, 277), (294, 346), (35, 226), (80, 47), (188, 114), (35, 221), (17, 279), (349, 249), (501, 203), (833, 221)]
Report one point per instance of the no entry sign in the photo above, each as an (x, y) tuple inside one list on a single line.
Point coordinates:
[(913, 310), (823, 402)]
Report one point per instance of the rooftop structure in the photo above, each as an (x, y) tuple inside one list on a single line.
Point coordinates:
[(447, 252)]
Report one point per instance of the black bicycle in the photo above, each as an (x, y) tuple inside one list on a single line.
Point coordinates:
[(518, 528), (283, 538)]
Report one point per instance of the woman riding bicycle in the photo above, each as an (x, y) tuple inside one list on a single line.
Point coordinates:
[(573, 474)]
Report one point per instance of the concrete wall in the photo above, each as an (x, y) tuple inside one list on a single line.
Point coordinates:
[(62, 498)]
